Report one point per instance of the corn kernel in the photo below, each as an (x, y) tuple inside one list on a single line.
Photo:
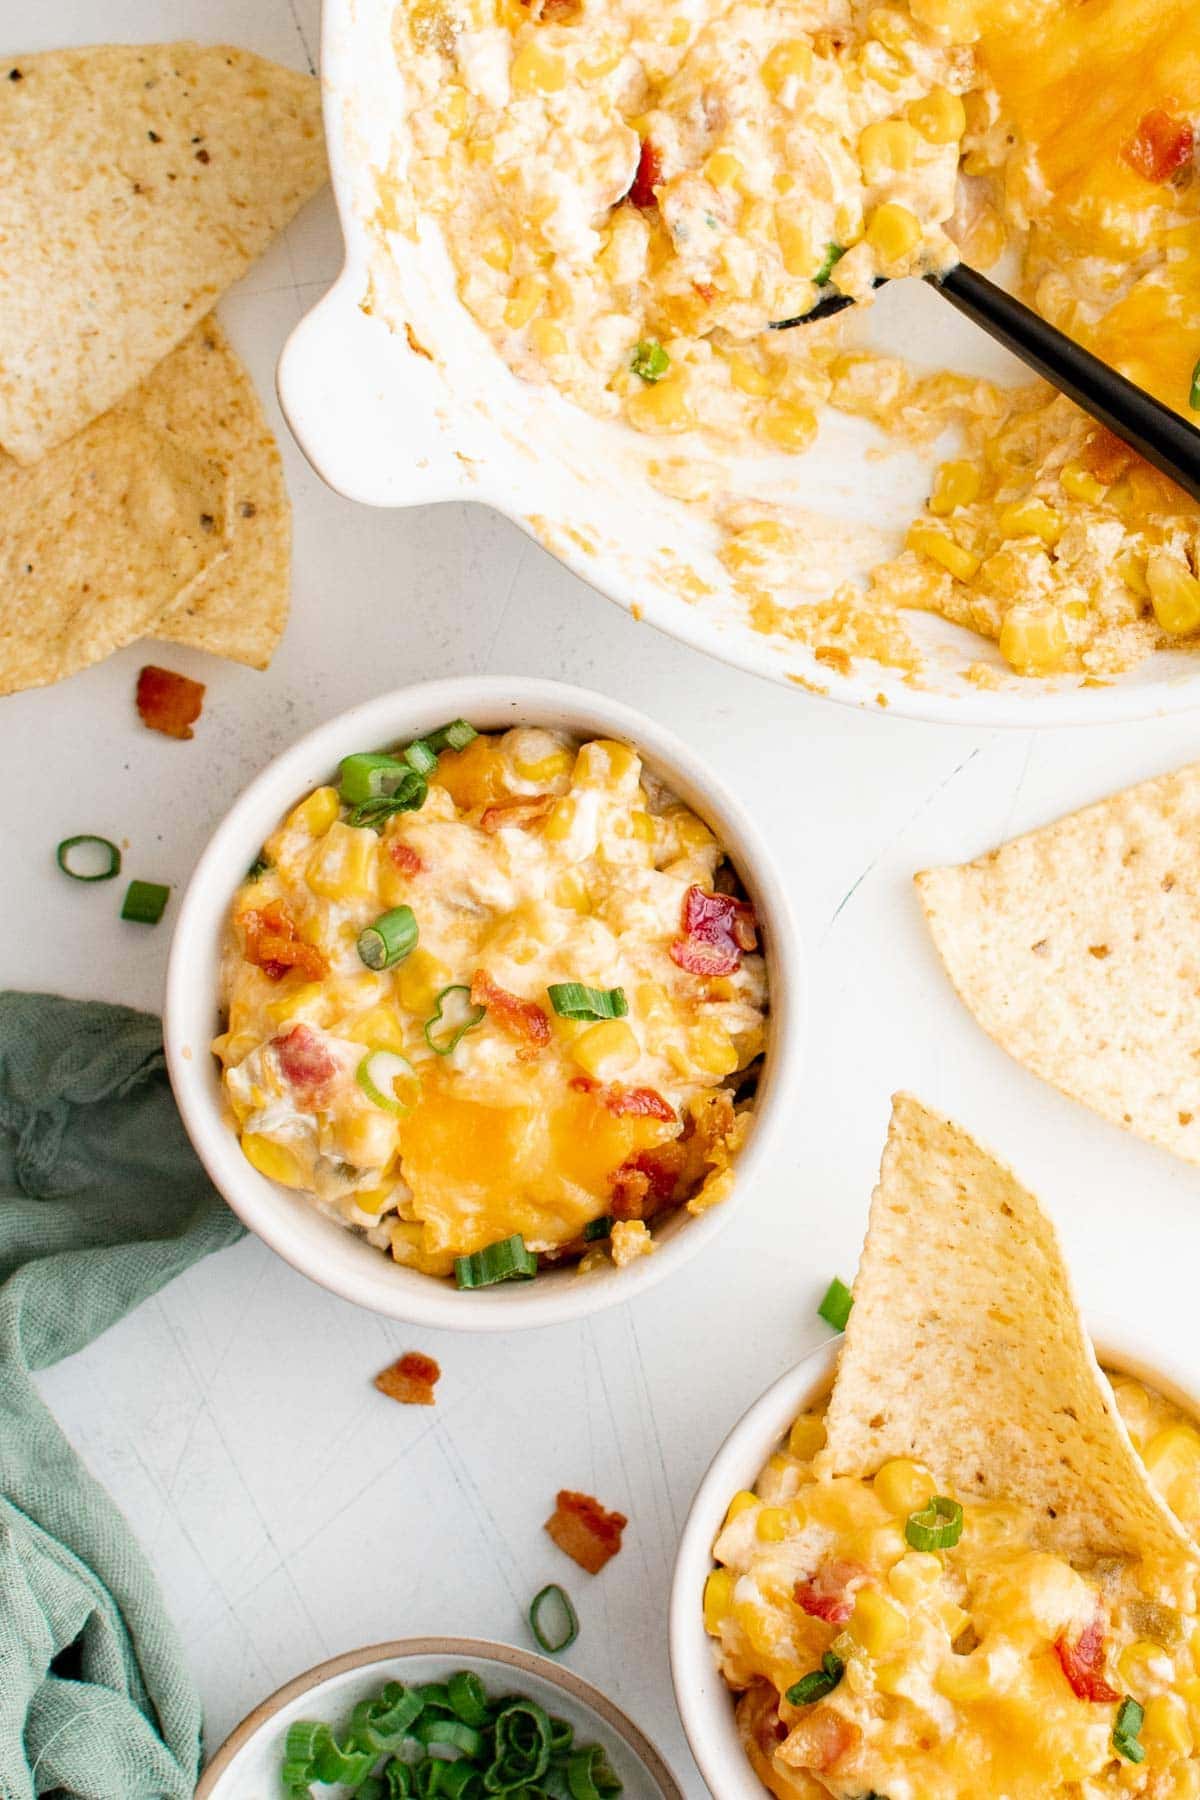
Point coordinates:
[(571, 892), (955, 484), (789, 425), (303, 1002), (559, 821), (893, 232), (1081, 484), (741, 1503), (373, 1200), (419, 979), (595, 68), (1142, 1666), (748, 378), (806, 1437), (891, 29), (1189, 1693), (792, 57), (679, 33), (904, 1486), (1172, 1453), (712, 1049), (547, 338), (316, 814), (773, 1524), (877, 1623), (1174, 594), (1166, 1725), (641, 826), (451, 109), (915, 1576), (606, 1049), (1132, 570), (882, 1546), (718, 1598), (927, 540), (662, 406), (886, 147), (939, 116), (529, 291), (723, 170), (273, 1160), (1031, 518), (537, 71), (343, 864), (965, 1679), (495, 246), (379, 1029), (795, 244), (954, 21), (1034, 639)]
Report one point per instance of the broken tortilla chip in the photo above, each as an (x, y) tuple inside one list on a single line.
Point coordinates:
[(136, 183), (1077, 948), (97, 541), (966, 1350)]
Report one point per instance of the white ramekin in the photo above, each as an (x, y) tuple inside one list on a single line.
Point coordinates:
[(320, 1248), (706, 1704)]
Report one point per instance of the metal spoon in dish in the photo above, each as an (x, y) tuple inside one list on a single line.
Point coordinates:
[(1151, 428)]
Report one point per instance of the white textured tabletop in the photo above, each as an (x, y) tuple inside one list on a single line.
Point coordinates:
[(289, 1510)]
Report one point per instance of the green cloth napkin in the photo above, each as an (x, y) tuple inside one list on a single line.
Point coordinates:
[(102, 1201)]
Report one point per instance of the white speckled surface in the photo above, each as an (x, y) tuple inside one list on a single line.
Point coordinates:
[(290, 1511)]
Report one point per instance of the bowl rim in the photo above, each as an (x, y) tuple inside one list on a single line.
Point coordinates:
[(699, 1688), (396, 1649), (405, 1294)]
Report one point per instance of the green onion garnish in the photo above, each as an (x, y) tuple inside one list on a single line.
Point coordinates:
[(389, 940), (407, 796), (937, 1527), (589, 1776), (822, 1681), (1125, 1731), (833, 255), (563, 1626), (369, 776), (597, 1228), (377, 1075), (87, 868), (468, 1697), (145, 902), (455, 1016), (650, 361), (835, 1307), (455, 736), (257, 869), (421, 757), (508, 1260), (450, 1734), (571, 1000), (1194, 390)]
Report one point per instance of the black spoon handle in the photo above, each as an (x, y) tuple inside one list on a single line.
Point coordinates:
[(1162, 436)]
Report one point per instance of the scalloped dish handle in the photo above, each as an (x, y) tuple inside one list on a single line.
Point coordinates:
[(337, 380)]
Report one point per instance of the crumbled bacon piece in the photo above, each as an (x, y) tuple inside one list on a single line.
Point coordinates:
[(273, 945), (630, 1190), (410, 1380), (1160, 147), (638, 1103), (168, 702), (522, 1019), (306, 1064), (650, 1175), (1106, 456), (829, 1594), (405, 858), (705, 290), (649, 174), (717, 928), (584, 1530), (526, 809), (820, 1740), (1083, 1664)]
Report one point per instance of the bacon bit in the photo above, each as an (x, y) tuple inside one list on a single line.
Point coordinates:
[(168, 702), (305, 1063), (584, 1530), (526, 809), (638, 1103), (706, 291), (649, 174), (820, 1740), (1106, 456), (630, 1191), (584, 1084), (829, 1595), (410, 1380), (405, 858), (1160, 146), (650, 1175), (523, 1019), (1083, 1664), (716, 930), (273, 946)]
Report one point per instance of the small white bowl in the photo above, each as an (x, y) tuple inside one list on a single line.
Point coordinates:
[(706, 1704), (320, 1248), (246, 1767)]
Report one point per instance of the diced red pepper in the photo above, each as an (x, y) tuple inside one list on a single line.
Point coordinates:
[(411, 1379), (649, 174), (168, 702), (405, 858), (1160, 147), (584, 1530), (521, 1019), (526, 809), (305, 1063), (273, 945), (829, 1594), (1083, 1664), (638, 1103)]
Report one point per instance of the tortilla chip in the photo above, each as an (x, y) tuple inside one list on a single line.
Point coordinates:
[(203, 395), (966, 1350), (97, 541), (1078, 950), (136, 183)]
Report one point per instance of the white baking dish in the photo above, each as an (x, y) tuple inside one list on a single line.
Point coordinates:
[(398, 398)]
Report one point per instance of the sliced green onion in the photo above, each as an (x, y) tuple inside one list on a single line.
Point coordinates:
[(455, 1016), (112, 858), (596, 1229), (468, 1696), (833, 255), (822, 1681), (571, 1000), (835, 1307), (937, 1527), (454, 1780), (508, 1260), (650, 361), (449, 1734), (564, 1621), (421, 757), (589, 1776), (1125, 1731), (258, 868), (377, 1075), (408, 796), (562, 1736), (368, 776), (1194, 391), (145, 902), (390, 939), (455, 736)]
